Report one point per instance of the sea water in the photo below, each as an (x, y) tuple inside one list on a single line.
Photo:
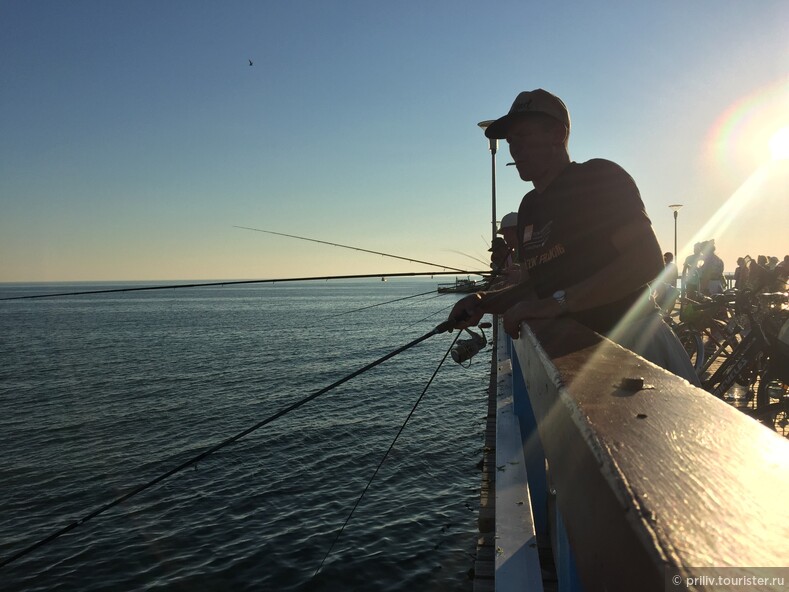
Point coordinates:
[(101, 393)]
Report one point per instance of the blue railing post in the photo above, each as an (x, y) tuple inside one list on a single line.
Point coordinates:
[(564, 558), (532, 449), (545, 522)]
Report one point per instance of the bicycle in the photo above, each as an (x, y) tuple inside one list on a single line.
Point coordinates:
[(760, 361), (708, 329)]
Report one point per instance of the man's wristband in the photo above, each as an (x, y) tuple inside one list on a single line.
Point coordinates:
[(561, 298)]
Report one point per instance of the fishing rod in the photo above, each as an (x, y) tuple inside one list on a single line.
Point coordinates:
[(386, 454), (239, 282), (349, 247), (447, 325)]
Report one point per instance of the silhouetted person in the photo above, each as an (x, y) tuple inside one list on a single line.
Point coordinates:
[(691, 279), (712, 281), (665, 287), (741, 273), (583, 238), (508, 230), (782, 272), (670, 272), (499, 253), (759, 277)]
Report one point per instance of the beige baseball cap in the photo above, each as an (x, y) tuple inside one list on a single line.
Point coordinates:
[(530, 101)]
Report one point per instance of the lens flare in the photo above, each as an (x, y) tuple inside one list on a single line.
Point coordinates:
[(740, 140), (779, 144)]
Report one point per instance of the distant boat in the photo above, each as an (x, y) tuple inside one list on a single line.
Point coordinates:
[(462, 286)]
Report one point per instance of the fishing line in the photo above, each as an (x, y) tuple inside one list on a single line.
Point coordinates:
[(348, 247), (439, 295), (477, 259), (428, 316), (374, 305), (386, 454), (241, 282), (442, 328)]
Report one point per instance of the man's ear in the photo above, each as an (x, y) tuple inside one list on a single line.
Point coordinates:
[(560, 133)]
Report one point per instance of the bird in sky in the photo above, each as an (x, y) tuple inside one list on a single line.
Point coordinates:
[(250, 62)]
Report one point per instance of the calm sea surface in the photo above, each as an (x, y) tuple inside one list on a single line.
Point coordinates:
[(101, 393)]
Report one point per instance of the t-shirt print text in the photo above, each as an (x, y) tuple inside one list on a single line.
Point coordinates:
[(552, 253), (532, 239)]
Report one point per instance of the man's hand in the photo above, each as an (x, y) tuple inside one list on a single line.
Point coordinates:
[(545, 308), (513, 274), (467, 312)]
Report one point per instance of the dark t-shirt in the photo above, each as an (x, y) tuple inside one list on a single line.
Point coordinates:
[(566, 233)]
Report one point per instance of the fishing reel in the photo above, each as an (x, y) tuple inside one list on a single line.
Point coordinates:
[(465, 349)]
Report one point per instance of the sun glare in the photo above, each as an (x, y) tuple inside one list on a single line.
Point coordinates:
[(779, 144)]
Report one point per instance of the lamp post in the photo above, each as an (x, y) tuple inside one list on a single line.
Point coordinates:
[(676, 208), (493, 145)]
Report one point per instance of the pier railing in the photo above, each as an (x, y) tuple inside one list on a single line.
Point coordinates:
[(651, 484)]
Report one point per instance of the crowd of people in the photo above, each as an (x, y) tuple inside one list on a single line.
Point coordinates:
[(703, 275), (702, 272), (763, 274)]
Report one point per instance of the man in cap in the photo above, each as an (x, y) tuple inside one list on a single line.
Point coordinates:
[(499, 254), (510, 272), (585, 244), (508, 229)]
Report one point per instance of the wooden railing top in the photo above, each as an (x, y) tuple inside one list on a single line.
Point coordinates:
[(654, 481)]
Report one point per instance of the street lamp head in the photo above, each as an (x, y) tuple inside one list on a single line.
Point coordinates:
[(675, 207), (493, 144)]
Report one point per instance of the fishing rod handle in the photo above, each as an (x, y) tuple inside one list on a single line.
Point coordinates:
[(451, 323)]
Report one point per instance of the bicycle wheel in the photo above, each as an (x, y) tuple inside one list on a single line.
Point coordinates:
[(772, 403), (719, 342), (694, 345), (752, 373)]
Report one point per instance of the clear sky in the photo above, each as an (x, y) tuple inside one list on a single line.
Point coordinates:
[(135, 135)]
